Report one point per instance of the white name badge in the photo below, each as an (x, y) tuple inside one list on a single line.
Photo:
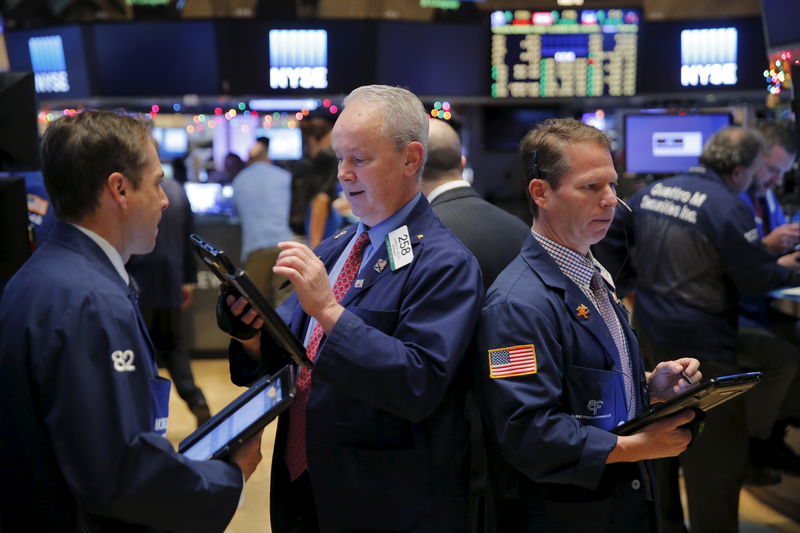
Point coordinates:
[(398, 247)]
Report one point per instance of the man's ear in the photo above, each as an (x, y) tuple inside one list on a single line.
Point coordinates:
[(414, 153), (118, 187), (539, 190), (739, 176)]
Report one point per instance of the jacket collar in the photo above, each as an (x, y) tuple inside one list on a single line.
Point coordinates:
[(376, 267), (576, 304)]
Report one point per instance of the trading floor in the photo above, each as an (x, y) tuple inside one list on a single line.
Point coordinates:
[(212, 376)]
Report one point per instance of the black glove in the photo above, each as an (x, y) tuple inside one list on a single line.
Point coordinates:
[(231, 324)]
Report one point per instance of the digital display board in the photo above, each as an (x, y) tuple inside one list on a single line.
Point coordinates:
[(589, 52)]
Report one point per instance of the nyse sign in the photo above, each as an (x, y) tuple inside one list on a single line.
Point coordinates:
[(298, 77), (49, 64), (298, 59), (709, 57)]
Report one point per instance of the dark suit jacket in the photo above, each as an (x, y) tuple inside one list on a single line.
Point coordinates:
[(493, 235), (385, 432)]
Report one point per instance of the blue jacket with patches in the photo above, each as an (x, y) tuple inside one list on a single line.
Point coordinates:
[(77, 441), (550, 428), (386, 436)]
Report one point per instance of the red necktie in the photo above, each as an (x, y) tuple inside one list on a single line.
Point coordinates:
[(296, 440)]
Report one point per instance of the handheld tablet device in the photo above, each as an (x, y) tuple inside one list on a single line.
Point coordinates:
[(704, 396), (225, 432), (238, 282)]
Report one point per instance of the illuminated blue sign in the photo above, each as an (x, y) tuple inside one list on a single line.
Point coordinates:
[(49, 64), (298, 59), (709, 57)]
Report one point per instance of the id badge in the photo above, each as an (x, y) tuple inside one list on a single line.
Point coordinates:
[(398, 248)]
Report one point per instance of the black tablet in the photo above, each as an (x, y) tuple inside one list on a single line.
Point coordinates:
[(705, 396), (236, 279), (226, 431)]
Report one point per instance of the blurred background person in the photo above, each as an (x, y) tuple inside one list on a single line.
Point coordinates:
[(262, 194), (165, 277)]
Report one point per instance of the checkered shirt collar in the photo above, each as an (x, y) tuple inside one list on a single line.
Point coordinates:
[(578, 268)]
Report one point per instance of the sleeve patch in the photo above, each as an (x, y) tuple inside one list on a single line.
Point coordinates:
[(512, 361)]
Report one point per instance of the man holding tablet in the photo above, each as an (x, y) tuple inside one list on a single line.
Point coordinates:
[(376, 438), (83, 410), (558, 367)]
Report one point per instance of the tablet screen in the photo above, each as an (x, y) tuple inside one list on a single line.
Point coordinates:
[(216, 439)]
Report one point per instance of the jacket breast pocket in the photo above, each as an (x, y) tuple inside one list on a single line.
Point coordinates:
[(595, 396)]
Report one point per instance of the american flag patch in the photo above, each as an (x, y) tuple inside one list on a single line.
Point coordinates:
[(512, 361)]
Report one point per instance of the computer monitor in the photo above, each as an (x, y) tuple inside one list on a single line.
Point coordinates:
[(284, 143), (15, 246), (19, 135), (172, 142), (668, 143)]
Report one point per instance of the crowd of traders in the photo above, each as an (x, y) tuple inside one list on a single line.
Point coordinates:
[(435, 310)]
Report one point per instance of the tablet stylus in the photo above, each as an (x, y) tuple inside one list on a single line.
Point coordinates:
[(687, 378)]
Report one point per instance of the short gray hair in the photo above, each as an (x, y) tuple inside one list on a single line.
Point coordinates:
[(404, 117), (732, 147)]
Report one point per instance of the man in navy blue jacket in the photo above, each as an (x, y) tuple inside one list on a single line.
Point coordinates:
[(558, 367), (382, 442), (83, 409), (697, 250)]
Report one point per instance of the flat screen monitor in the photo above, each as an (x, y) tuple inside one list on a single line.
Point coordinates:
[(15, 246), (781, 22), (568, 53), (666, 143), (284, 143), (58, 58), (210, 198), (172, 142), (685, 56), (19, 135), (504, 127)]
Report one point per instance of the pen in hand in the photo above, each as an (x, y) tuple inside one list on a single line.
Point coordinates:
[(687, 378)]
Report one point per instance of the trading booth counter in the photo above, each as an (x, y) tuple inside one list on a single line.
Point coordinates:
[(204, 338)]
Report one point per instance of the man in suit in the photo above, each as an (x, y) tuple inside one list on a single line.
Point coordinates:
[(165, 278), (493, 235), (558, 366), (83, 409), (379, 443)]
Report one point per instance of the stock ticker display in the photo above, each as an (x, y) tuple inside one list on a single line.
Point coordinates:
[(564, 53)]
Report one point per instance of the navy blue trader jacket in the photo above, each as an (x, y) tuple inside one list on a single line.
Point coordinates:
[(385, 429), (78, 443), (696, 250), (548, 427)]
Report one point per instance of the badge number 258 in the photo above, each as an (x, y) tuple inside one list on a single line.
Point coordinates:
[(123, 360), (398, 244)]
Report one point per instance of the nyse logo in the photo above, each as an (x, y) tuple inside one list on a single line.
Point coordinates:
[(298, 59), (49, 64), (709, 57)]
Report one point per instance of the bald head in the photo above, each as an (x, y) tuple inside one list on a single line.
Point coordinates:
[(444, 154)]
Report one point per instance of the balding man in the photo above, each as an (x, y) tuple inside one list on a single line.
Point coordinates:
[(696, 249), (493, 235), (262, 193), (375, 439)]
